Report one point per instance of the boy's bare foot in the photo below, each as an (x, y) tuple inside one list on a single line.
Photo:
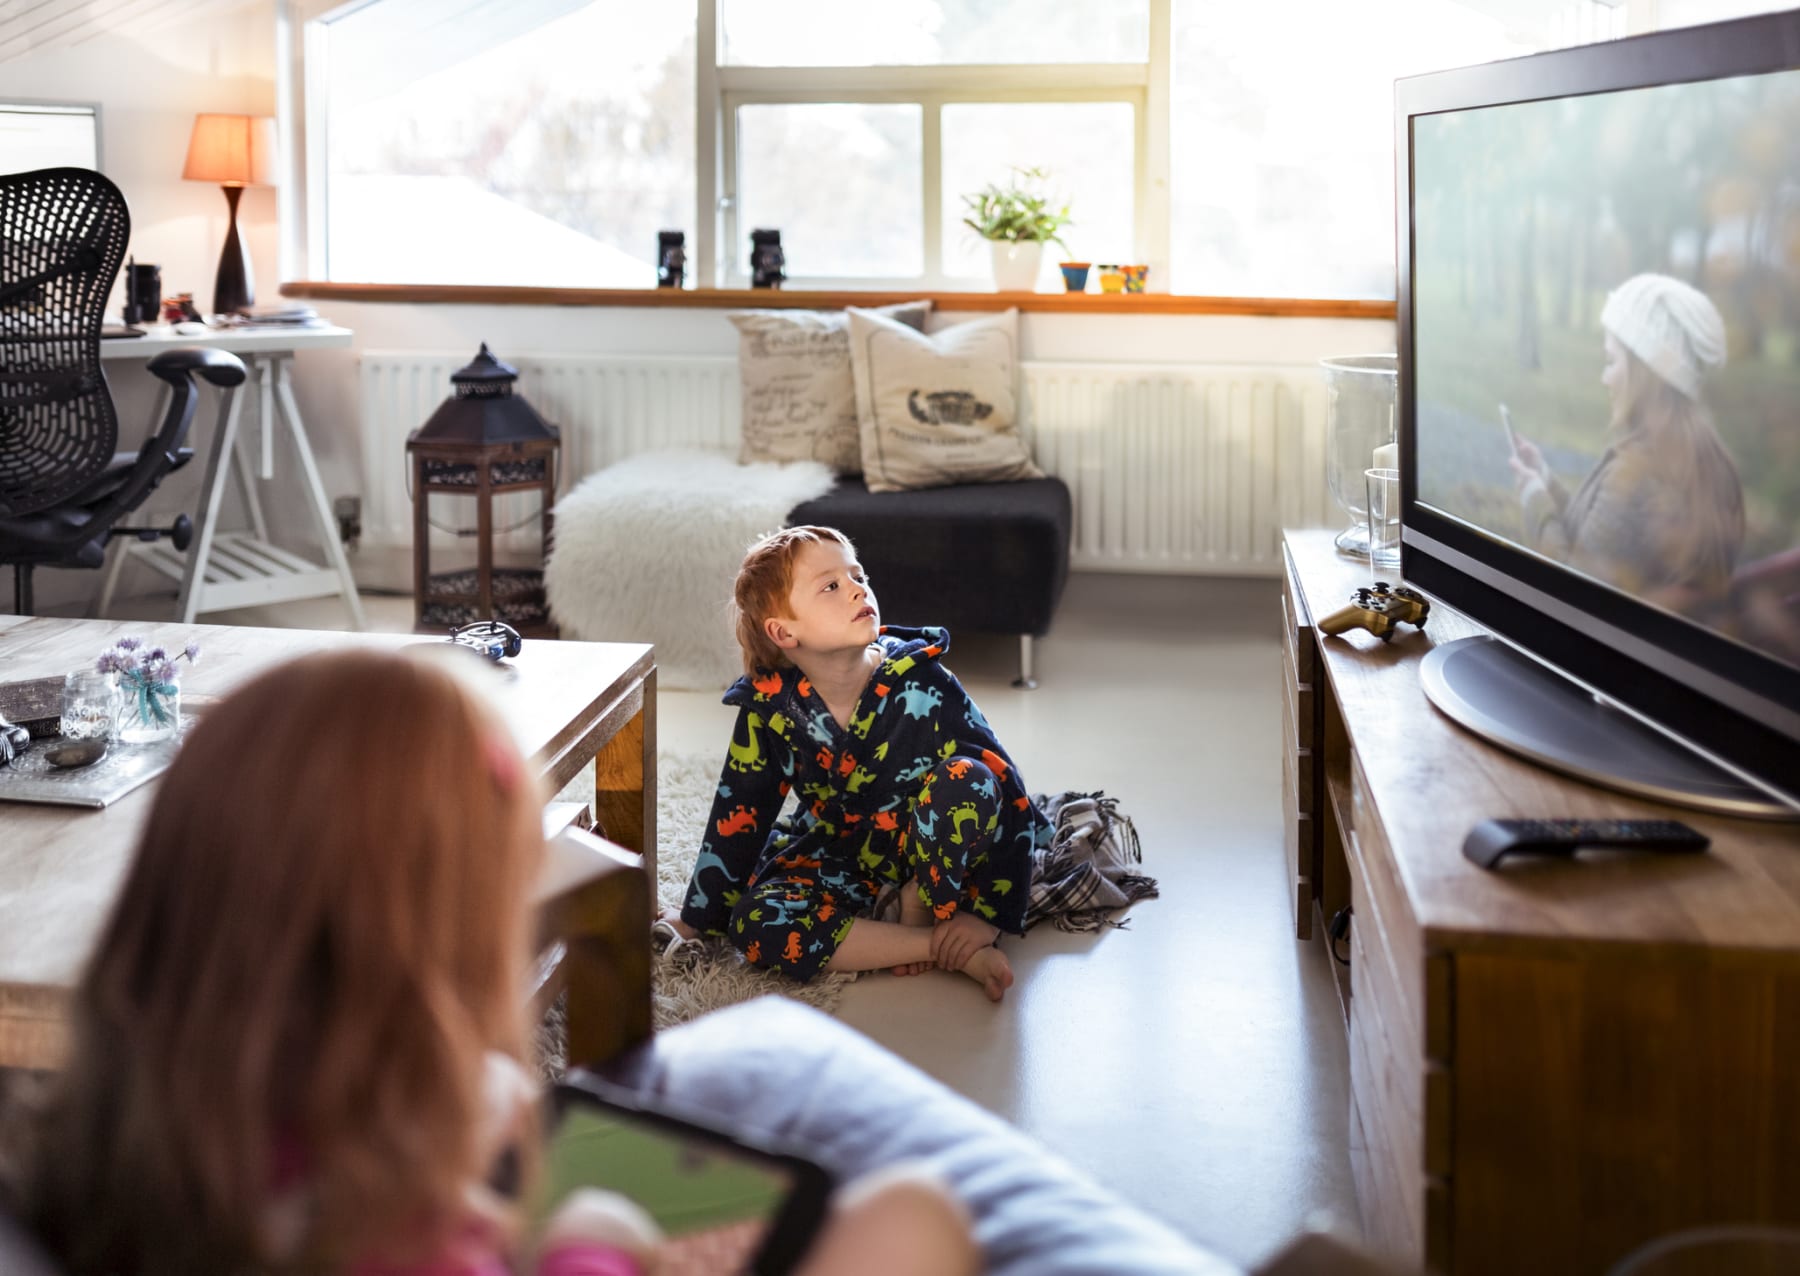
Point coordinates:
[(989, 968), (914, 911)]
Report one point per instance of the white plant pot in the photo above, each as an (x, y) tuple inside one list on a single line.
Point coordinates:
[(1016, 265)]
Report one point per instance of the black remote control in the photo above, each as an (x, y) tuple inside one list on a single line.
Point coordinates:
[(1491, 839)]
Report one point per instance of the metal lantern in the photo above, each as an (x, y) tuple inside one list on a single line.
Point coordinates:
[(482, 442)]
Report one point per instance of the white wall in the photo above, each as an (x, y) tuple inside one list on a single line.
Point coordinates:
[(149, 90), (326, 380)]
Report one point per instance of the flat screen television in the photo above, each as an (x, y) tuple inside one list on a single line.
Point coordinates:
[(1599, 404)]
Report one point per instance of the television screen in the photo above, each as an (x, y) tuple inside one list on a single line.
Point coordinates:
[(1599, 391), (1607, 340)]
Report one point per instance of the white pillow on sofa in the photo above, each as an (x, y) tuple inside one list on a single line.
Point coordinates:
[(799, 399), (939, 409)]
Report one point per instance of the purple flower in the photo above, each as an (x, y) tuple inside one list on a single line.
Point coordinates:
[(192, 652), (130, 644), (109, 662), (165, 672), (155, 656)]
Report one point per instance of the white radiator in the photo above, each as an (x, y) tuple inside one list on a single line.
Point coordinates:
[(1174, 468)]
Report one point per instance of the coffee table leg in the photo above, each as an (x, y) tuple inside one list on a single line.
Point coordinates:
[(607, 967), (625, 784)]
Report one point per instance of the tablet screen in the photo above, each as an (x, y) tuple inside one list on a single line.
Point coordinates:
[(715, 1203)]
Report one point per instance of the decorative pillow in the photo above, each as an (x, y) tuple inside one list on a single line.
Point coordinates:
[(940, 409), (799, 399)]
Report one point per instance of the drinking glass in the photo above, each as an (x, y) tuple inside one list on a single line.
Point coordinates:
[(1382, 487), (90, 706)]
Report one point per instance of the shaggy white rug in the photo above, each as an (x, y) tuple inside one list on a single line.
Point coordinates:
[(703, 976), (697, 977), (646, 551)]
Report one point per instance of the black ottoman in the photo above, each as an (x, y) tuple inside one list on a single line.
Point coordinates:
[(982, 557)]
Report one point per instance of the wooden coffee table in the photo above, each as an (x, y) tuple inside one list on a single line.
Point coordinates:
[(568, 703)]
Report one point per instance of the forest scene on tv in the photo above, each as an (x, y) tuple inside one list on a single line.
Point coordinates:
[(1606, 338)]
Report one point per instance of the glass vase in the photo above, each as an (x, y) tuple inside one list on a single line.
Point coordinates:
[(151, 711), (1360, 418)]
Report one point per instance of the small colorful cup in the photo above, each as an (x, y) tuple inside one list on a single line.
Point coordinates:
[(1134, 277), (1112, 279), (1075, 275)]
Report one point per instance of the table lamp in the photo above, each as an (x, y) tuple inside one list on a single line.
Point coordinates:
[(235, 151)]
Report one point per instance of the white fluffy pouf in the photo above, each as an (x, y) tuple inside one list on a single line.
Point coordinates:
[(646, 551)]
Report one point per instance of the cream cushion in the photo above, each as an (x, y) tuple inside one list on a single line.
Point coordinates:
[(799, 398), (939, 409)]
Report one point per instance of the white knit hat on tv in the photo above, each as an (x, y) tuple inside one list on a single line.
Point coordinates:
[(1670, 325)]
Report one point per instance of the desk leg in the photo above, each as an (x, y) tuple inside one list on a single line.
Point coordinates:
[(267, 368), (315, 488), (625, 783), (246, 477), (212, 491), (109, 583)]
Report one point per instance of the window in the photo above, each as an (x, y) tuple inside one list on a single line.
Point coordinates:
[(37, 135), (548, 141), (931, 32), (504, 143), (1282, 150), (857, 129)]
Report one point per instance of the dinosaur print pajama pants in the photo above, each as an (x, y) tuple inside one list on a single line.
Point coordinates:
[(799, 906)]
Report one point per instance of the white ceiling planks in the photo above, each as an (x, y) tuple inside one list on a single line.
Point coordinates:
[(37, 26)]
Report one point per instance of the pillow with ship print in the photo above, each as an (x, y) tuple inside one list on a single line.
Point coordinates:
[(799, 399), (938, 409)]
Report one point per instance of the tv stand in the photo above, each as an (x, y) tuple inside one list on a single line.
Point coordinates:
[(1505, 696), (1553, 1063)]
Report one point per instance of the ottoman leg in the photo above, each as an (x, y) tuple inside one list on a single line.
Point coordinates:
[(1025, 680)]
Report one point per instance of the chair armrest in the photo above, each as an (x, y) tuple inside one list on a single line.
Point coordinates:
[(593, 898), (159, 454), (220, 367)]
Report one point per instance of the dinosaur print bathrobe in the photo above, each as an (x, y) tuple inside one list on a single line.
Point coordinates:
[(918, 786)]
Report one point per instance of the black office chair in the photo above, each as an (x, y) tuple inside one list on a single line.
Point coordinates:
[(63, 484)]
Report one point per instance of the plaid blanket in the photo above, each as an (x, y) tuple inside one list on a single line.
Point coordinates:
[(1087, 871)]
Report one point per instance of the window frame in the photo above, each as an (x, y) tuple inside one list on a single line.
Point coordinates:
[(931, 88)]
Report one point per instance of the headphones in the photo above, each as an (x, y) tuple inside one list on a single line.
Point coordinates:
[(492, 638)]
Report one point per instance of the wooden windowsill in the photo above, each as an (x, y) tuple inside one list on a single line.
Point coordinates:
[(1153, 303)]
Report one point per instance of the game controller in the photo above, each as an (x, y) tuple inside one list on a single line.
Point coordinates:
[(492, 638), (1379, 609)]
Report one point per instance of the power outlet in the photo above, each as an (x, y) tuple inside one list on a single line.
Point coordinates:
[(348, 510)]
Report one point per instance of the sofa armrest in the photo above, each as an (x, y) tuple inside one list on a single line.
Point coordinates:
[(802, 1079)]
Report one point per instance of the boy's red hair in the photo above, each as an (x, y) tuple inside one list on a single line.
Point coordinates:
[(764, 581)]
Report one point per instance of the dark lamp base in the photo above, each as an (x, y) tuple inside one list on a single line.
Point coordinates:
[(234, 290)]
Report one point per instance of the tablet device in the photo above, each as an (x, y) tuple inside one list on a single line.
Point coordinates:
[(726, 1203)]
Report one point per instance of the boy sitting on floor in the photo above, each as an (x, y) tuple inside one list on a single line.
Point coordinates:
[(901, 782)]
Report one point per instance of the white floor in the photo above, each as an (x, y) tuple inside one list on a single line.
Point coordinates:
[(1195, 1061)]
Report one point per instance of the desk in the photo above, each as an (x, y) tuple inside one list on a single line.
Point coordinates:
[(571, 703), (227, 569)]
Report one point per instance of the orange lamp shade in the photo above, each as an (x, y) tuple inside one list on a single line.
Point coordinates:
[(232, 150)]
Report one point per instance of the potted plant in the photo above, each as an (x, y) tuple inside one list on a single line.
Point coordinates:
[(1018, 220)]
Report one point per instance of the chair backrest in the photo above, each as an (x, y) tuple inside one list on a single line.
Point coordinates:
[(62, 240)]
